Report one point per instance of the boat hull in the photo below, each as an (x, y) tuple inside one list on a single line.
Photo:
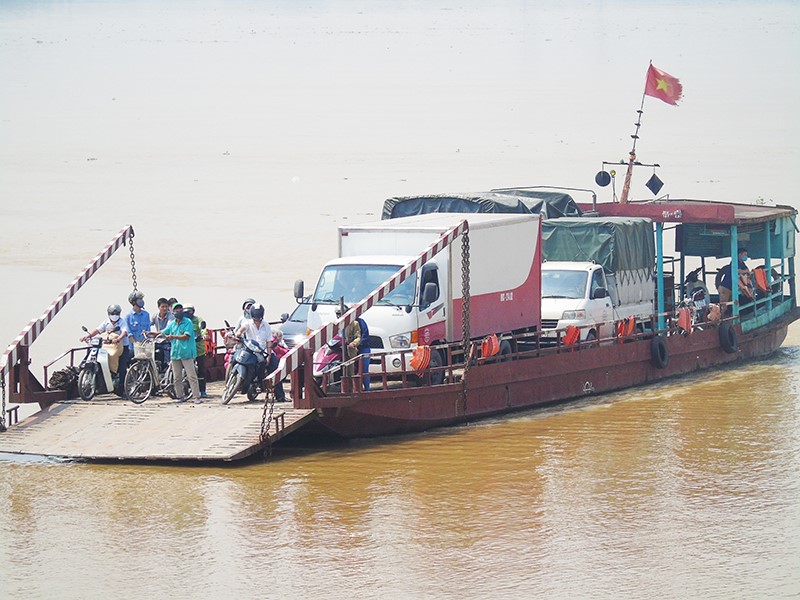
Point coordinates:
[(528, 381)]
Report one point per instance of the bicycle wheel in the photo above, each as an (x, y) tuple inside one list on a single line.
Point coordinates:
[(139, 382), (231, 387), (168, 385)]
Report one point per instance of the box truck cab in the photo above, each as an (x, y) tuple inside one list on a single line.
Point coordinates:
[(505, 277)]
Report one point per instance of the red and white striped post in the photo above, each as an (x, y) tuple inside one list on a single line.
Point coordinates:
[(326, 332)]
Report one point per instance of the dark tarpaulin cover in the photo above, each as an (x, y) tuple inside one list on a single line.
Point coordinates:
[(549, 204), (616, 243)]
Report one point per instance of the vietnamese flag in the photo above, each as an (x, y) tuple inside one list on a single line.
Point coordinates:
[(663, 86)]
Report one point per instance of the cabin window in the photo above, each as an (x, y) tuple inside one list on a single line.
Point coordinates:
[(598, 281), (429, 275)]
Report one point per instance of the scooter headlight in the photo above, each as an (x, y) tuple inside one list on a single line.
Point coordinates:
[(402, 340)]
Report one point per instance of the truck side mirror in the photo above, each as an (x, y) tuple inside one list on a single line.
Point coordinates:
[(429, 293), (600, 293), (284, 317), (299, 288)]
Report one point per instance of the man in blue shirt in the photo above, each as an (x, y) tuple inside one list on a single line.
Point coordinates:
[(725, 282), (137, 321)]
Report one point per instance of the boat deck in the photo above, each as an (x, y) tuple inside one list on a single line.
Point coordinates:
[(160, 429)]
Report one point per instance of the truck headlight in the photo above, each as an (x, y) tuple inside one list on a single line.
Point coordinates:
[(573, 315), (402, 340)]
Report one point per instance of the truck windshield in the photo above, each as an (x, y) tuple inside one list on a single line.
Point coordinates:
[(563, 284), (356, 282)]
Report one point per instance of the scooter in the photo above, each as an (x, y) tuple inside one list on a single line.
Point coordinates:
[(328, 359), (697, 296), (246, 362), (95, 372)]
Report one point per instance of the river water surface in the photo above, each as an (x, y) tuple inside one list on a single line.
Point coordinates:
[(236, 136)]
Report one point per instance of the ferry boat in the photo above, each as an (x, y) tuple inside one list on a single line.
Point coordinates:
[(673, 342)]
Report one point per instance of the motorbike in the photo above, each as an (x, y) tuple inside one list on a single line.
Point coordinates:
[(328, 359), (247, 360), (95, 371), (697, 297)]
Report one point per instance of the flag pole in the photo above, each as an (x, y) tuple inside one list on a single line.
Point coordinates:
[(623, 199)]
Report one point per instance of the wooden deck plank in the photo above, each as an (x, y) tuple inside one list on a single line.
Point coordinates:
[(158, 430)]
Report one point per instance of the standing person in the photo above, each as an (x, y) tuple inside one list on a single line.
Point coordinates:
[(725, 278), (137, 321), (357, 341), (258, 330), (200, 344), (116, 324), (180, 332), (157, 325)]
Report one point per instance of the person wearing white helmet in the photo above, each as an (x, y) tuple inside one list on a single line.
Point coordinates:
[(246, 306), (115, 326)]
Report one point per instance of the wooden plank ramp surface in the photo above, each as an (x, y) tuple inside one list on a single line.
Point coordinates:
[(157, 430)]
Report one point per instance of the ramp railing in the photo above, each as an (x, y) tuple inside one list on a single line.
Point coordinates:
[(17, 349)]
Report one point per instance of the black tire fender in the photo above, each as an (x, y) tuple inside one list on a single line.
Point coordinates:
[(659, 353), (727, 338)]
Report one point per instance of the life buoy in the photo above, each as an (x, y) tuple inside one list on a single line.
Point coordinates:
[(659, 353), (727, 338)]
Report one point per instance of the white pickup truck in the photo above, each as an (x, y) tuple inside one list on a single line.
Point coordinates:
[(598, 271)]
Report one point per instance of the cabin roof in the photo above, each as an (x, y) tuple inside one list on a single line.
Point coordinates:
[(693, 211)]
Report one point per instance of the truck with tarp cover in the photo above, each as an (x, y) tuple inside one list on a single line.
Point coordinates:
[(549, 205), (597, 271)]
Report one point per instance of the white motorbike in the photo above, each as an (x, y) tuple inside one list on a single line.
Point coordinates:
[(95, 370)]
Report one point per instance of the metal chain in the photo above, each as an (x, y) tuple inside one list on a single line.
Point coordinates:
[(465, 297), (266, 421), (133, 261), (3, 393)]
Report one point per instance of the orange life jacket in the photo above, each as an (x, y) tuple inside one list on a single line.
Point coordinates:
[(572, 335), (625, 328), (420, 358), (685, 319), (490, 346), (760, 274)]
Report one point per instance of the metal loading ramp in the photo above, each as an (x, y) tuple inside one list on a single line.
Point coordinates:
[(154, 431)]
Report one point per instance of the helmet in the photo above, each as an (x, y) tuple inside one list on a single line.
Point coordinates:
[(188, 307), (256, 312), (246, 302), (114, 309), (134, 296)]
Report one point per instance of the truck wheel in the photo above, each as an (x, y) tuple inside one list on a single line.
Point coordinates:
[(505, 351), (659, 352), (727, 338), (437, 377)]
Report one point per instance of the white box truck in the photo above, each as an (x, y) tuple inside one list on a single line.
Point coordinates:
[(596, 272), (505, 277)]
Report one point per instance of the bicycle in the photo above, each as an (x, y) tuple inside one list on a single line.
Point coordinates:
[(148, 373)]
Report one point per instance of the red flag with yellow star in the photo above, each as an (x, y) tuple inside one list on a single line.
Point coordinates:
[(663, 86)]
